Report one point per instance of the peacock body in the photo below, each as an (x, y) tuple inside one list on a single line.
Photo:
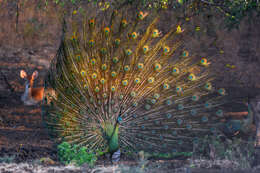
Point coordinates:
[(121, 87)]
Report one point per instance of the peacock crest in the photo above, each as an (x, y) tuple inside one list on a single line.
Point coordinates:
[(121, 87)]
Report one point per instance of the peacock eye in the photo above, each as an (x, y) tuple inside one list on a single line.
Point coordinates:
[(125, 82), (179, 121), (117, 41), (204, 119), (166, 127), (221, 91), (157, 67), (134, 35), (185, 53), (166, 50), (174, 133), (113, 88), (140, 66), (83, 73), (115, 60), (94, 75), (106, 30), (124, 23), (189, 126), (166, 86), (153, 101), (126, 68), (193, 112), (102, 81), (91, 42), (134, 104), (203, 62), (150, 79), (137, 80), (147, 107), (103, 50), (140, 15), (104, 66), (91, 22), (219, 112), (97, 89), (145, 49), (155, 33), (113, 74), (93, 61), (128, 52), (180, 107), (133, 94), (168, 115)]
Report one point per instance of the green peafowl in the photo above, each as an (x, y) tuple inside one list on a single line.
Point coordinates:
[(123, 89)]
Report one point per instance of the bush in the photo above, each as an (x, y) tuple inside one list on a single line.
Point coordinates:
[(73, 154)]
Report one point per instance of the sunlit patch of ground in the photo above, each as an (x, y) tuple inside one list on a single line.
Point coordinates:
[(197, 166)]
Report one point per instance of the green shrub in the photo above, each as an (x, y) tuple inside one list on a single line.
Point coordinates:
[(73, 154), (7, 159)]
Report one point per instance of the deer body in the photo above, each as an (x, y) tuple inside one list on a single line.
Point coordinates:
[(32, 96)]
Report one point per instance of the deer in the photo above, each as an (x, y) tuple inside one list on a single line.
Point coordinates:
[(31, 95)]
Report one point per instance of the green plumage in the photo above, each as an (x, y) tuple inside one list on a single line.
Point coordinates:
[(120, 86), (112, 134)]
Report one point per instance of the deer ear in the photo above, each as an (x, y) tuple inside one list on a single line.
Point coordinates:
[(23, 74), (35, 74)]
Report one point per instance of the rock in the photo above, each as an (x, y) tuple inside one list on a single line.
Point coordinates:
[(47, 161), (31, 52)]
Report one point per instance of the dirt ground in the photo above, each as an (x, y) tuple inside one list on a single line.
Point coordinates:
[(21, 129)]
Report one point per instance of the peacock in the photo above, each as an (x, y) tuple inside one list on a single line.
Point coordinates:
[(123, 88)]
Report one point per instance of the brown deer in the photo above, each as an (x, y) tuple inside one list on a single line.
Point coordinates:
[(31, 95)]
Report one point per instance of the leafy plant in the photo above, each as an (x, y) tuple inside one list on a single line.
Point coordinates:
[(73, 154), (7, 159), (235, 150)]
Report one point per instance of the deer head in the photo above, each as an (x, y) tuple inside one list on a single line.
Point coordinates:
[(31, 96)]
